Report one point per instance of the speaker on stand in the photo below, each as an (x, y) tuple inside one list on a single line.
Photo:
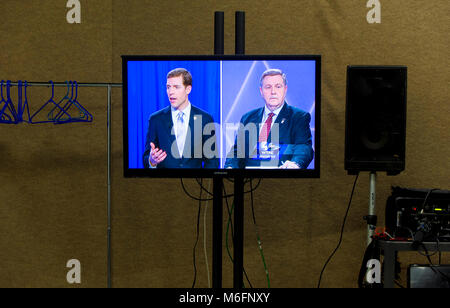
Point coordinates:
[(375, 125)]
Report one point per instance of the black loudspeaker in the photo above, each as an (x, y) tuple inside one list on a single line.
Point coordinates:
[(375, 120)]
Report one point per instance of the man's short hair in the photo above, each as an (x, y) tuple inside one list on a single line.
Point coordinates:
[(273, 72), (187, 77)]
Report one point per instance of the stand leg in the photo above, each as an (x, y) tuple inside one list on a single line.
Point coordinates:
[(238, 245), (371, 219), (389, 267), (109, 266), (217, 179), (217, 232)]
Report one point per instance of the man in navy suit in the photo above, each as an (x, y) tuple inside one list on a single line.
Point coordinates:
[(180, 135), (274, 136)]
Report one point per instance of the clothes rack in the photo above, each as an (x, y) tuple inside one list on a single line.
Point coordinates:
[(109, 87)]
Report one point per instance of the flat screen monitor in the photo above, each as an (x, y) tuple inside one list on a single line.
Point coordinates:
[(200, 116)]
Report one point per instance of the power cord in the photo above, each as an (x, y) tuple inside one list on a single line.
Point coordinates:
[(192, 197), (226, 196), (204, 239), (432, 266), (196, 240), (230, 223), (342, 232), (257, 236), (426, 199)]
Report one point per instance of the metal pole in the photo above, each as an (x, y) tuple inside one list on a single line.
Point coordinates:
[(238, 244), (217, 179), (64, 84), (109, 186), (240, 33), (217, 232), (218, 33), (371, 220)]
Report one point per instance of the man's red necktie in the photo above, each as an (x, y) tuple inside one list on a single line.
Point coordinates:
[(266, 128)]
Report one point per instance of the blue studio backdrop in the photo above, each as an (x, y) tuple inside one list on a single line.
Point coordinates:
[(241, 94), (147, 94)]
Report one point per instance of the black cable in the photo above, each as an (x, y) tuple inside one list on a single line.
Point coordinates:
[(342, 232), (257, 236), (420, 243), (253, 189), (436, 271), (399, 284), (426, 199), (202, 188), (230, 180), (251, 199), (192, 197), (196, 240), (230, 221), (211, 194)]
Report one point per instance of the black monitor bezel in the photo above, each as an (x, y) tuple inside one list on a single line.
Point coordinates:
[(208, 173)]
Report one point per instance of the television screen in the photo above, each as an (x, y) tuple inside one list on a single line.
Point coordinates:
[(197, 116)]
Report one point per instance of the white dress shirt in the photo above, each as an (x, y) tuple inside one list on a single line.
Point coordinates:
[(266, 115), (187, 114)]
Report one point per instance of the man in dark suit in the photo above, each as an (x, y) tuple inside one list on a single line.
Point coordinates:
[(180, 135), (274, 136)]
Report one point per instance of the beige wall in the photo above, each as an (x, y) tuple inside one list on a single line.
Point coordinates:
[(53, 178)]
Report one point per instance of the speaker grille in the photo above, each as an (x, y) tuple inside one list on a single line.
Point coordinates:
[(375, 119)]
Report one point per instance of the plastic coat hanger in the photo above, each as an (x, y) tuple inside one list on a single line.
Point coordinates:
[(60, 118), (50, 102), (19, 101), (57, 112), (8, 105), (85, 116), (3, 105), (25, 104), (79, 113)]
